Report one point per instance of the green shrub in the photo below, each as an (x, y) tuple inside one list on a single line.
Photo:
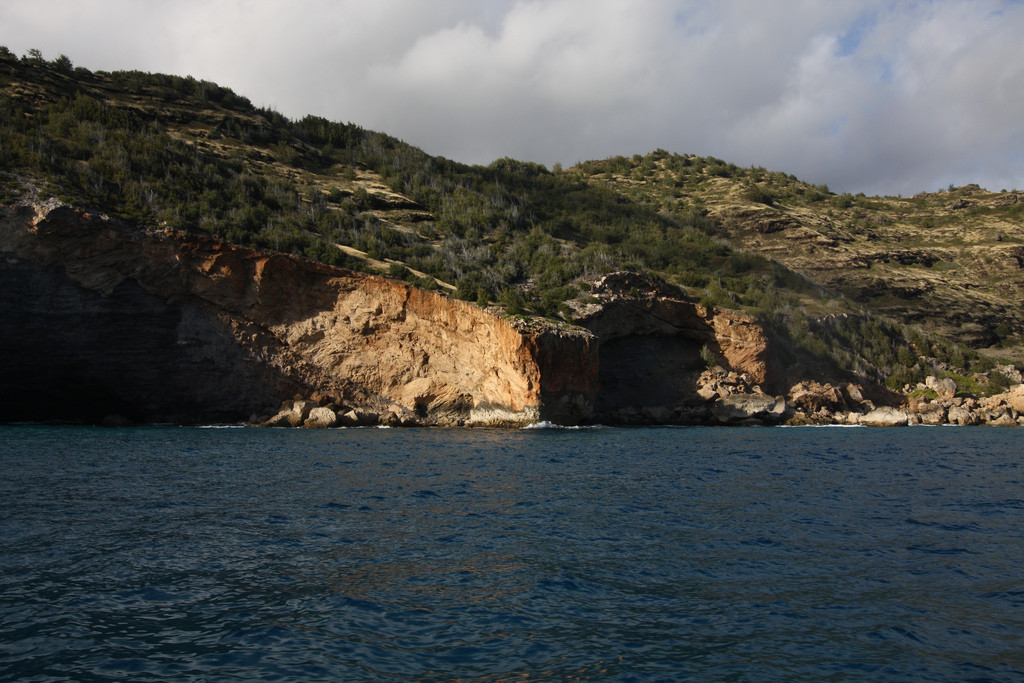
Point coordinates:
[(844, 201), (513, 301), (758, 195)]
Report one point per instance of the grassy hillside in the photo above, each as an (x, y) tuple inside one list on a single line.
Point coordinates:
[(885, 289), (950, 261)]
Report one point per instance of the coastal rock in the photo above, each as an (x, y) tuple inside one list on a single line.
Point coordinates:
[(1011, 373), (1014, 399), (293, 413), (961, 415), (359, 418), (810, 397), (884, 416), (744, 408), (855, 393), (280, 420), (321, 417), (742, 342), (945, 388), (798, 418), (931, 413), (999, 419), (719, 383)]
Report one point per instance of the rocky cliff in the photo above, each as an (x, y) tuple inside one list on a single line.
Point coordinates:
[(654, 345), (99, 320), (102, 322)]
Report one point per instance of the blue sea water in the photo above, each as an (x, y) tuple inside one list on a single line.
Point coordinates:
[(655, 554)]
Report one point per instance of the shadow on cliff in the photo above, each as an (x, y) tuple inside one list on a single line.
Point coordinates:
[(655, 345), (73, 355)]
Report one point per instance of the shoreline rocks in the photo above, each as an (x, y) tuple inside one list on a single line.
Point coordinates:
[(725, 398)]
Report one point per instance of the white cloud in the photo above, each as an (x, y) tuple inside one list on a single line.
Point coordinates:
[(871, 96)]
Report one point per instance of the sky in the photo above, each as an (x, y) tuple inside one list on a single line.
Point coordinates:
[(884, 97)]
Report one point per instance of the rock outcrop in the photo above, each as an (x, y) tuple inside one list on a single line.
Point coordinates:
[(753, 408), (886, 416), (943, 406), (100, 319), (654, 346)]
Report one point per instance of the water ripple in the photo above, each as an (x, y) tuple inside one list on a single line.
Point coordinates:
[(489, 555)]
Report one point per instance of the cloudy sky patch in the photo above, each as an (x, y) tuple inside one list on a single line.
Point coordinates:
[(871, 96)]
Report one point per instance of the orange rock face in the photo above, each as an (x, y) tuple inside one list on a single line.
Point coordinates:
[(742, 342)]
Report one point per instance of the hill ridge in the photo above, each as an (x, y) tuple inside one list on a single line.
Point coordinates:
[(912, 296)]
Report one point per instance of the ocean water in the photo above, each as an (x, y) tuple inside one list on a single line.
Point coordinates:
[(655, 554)]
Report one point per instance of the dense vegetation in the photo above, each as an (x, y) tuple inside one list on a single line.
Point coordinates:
[(204, 159), (165, 150)]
